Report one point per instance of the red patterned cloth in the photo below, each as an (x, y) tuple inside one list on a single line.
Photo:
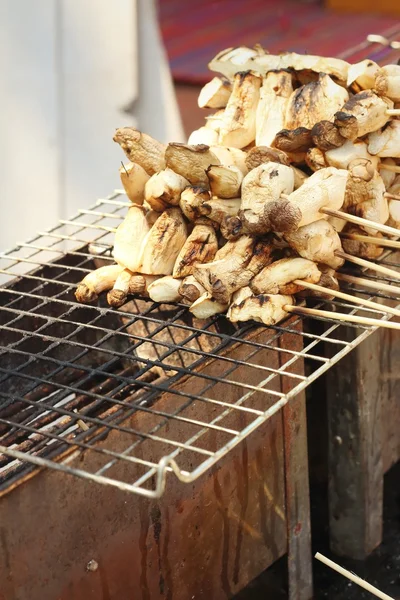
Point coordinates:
[(195, 30)]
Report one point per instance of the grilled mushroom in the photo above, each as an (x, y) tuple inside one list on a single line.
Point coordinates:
[(325, 188), (386, 143), (328, 280), (190, 290), (325, 136), (238, 127), (200, 247), (230, 61), (129, 238), (217, 210), (262, 185), (232, 227), (363, 113), (234, 266), (191, 200), (225, 182), (387, 82), (117, 296), (191, 162), (128, 283), (215, 94), (141, 148), (394, 208), (361, 76), (203, 135), (164, 189), (316, 159), (318, 242), (133, 178), (365, 194), (278, 277), (268, 309), (388, 177), (293, 140), (97, 281), (296, 158), (299, 177), (231, 157), (274, 95), (139, 283), (361, 171), (262, 154), (343, 156), (214, 120), (337, 224), (360, 248), (206, 307), (165, 289), (314, 102), (163, 243)]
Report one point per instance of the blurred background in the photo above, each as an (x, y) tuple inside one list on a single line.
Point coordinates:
[(72, 71)]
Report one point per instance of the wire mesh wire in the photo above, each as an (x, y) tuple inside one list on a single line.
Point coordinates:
[(124, 397)]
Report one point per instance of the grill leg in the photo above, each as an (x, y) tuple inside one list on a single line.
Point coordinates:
[(296, 481), (354, 393), (297, 500)]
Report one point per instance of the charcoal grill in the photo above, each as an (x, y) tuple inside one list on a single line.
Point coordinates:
[(134, 398), (70, 374)]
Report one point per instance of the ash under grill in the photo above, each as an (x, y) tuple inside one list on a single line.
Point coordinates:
[(125, 397)]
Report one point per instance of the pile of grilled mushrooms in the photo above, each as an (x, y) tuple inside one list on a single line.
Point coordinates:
[(228, 222)]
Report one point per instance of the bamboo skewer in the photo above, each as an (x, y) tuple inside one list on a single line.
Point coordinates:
[(327, 314), (369, 264), (352, 577), (392, 196), (360, 221), (393, 112), (331, 212), (371, 240), (375, 285), (375, 38), (393, 168), (349, 297)]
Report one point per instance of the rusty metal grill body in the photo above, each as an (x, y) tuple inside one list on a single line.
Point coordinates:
[(70, 375)]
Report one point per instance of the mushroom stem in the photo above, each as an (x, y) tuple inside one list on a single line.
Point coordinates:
[(165, 289), (95, 282), (206, 306), (129, 237), (117, 296), (133, 178)]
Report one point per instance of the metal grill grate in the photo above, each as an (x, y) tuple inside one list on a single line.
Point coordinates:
[(125, 397)]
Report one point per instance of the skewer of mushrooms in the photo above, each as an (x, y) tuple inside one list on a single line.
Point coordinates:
[(233, 221)]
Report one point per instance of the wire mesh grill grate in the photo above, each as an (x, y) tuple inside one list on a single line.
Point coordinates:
[(125, 397)]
